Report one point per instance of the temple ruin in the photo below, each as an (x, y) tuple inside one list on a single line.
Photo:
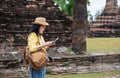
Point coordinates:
[(16, 18), (108, 23), (15, 21)]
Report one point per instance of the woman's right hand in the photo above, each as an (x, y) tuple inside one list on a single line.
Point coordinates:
[(50, 43)]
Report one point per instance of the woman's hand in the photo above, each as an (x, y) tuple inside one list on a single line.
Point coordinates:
[(46, 45), (50, 43)]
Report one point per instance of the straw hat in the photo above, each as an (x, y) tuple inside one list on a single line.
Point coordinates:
[(40, 21)]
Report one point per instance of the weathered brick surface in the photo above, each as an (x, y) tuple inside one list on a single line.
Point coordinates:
[(16, 18), (107, 24), (63, 64)]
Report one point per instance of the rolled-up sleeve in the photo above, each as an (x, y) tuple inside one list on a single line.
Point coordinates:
[(32, 42)]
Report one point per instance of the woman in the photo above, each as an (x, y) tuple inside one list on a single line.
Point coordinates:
[(35, 33)]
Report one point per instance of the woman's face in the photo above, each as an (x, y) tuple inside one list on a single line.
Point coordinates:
[(42, 29)]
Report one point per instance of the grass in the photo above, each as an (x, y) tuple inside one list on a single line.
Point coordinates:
[(103, 45), (87, 75)]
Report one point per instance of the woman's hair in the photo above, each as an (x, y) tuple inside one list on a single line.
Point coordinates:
[(34, 28)]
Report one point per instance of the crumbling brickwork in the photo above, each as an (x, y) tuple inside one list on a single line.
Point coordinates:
[(108, 23), (16, 17)]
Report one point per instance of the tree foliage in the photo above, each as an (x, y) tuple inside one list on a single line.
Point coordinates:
[(66, 6)]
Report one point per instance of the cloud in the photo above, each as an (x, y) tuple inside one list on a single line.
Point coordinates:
[(96, 5)]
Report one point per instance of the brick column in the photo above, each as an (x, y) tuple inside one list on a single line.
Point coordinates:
[(79, 27)]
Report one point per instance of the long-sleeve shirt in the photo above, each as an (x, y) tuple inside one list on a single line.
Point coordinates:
[(34, 41)]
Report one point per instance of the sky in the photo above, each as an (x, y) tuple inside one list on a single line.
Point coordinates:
[(97, 5)]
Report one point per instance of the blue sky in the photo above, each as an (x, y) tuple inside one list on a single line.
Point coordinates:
[(97, 5)]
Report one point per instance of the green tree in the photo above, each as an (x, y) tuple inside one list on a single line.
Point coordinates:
[(67, 6)]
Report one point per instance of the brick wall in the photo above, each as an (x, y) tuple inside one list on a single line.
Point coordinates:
[(16, 18)]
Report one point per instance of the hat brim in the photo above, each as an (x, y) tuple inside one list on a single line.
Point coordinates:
[(40, 23)]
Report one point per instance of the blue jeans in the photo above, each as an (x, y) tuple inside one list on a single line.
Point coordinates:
[(38, 73)]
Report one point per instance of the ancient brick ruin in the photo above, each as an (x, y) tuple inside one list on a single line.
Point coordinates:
[(16, 17), (108, 23), (15, 20)]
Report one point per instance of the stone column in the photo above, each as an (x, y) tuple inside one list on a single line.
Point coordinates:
[(79, 27)]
